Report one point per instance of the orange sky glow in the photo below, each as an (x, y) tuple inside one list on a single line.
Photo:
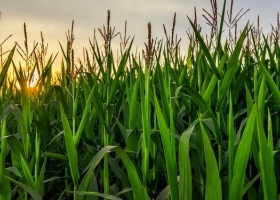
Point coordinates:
[(54, 18)]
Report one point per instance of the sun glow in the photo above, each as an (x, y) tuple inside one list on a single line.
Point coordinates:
[(32, 83)]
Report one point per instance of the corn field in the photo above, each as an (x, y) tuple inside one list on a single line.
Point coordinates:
[(155, 124)]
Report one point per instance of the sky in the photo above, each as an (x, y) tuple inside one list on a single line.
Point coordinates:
[(54, 18)]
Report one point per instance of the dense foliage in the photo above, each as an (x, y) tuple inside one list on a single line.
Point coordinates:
[(157, 126)]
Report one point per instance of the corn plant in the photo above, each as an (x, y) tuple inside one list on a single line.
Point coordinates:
[(158, 124)]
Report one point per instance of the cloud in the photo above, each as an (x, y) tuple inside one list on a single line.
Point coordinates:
[(54, 18)]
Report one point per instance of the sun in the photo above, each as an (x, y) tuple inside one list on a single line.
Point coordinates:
[(32, 83)]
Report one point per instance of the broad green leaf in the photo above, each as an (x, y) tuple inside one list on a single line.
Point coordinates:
[(84, 118), (15, 171), (232, 64), (248, 185), (70, 147), (120, 70), (116, 169), (133, 104), (138, 189), (213, 188), (214, 80), (185, 183), (145, 108), (22, 127), (241, 159), (261, 97), (55, 156), (5, 185), (167, 148), (271, 83), (249, 101), (15, 145), (5, 68), (27, 173), (35, 195), (40, 181), (231, 140), (269, 130), (205, 108), (269, 184), (164, 194)]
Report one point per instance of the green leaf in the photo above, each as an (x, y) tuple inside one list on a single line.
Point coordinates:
[(104, 196), (271, 83), (35, 195), (185, 183), (266, 162), (70, 147), (241, 159), (206, 51), (232, 64), (231, 140), (214, 80), (27, 173), (84, 118), (167, 148), (15, 171), (120, 70), (205, 108), (133, 105), (5, 68), (5, 186), (213, 188), (40, 181), (164, 194), (138, 189)]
